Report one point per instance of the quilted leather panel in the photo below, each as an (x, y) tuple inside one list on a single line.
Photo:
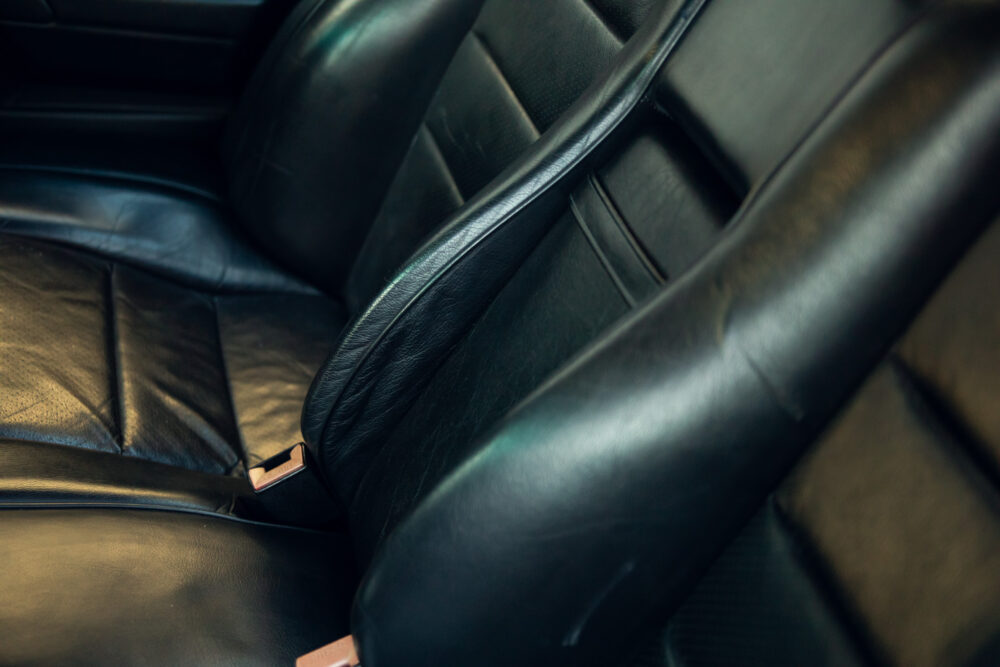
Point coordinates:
[(898, 492), (760, 605), (953, 353), (174, 398), (553, 55), (56, 383), (273, 344), (775, 64), (103, 356)]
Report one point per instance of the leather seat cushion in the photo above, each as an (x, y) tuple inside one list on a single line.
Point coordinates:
[(96, 353), (117, 587)]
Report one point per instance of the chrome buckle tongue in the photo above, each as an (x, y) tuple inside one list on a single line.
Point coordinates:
[(340, 653), (271, 472)]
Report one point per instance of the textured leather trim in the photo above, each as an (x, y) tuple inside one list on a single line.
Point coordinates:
[(413, 323)]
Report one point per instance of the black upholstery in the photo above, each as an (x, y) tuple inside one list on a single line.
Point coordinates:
[(647, 333), (133, 587), (281, 195), (100, 355)]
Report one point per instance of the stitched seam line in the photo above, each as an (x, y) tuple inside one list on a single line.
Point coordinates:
[(242, 454), (608, 25), (114, 361), (601, 256), (439, 154), (951, 432), (626, 231), (491, 60)]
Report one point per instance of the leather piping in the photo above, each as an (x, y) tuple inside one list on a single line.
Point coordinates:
[(143, 507)]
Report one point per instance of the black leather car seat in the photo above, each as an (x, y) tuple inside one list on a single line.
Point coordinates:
[(569, 407), (597, 504), (184, 327)]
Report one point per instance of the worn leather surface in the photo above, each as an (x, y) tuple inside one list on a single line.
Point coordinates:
[(603, 497), (86, 586)]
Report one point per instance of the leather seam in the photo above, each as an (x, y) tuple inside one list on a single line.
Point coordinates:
[(116, 178), (954, 436), (436, 147), (622, 225), (145, 507), (601, 255), (494, 64), (820, 574), (114, 360), (242, 455), (755, 192), (608, 25)]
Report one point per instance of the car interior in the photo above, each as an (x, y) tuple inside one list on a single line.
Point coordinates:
[(448, 333)]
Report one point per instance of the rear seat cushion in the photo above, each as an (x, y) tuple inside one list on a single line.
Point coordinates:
[(102, 355)]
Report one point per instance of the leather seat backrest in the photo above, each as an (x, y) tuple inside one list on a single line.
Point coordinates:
[(375, 119)]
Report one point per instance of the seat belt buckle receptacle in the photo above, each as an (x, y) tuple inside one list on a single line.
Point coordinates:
[(288, 489), (340, 653)]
